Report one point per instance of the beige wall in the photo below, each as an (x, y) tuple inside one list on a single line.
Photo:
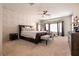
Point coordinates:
[(0, 29), (13, 17), (67, 24)]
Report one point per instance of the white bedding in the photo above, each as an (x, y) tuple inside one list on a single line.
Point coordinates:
[(30, 34)]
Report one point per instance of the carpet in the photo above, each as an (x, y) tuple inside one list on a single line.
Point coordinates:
[(57, 47)]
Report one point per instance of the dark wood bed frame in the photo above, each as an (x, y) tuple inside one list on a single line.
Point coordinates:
[(36, 40)]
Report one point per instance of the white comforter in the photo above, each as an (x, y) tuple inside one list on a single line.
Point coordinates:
[(30, 34)]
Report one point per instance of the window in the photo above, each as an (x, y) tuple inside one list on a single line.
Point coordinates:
[(60, 27), (38, 27), (47, 26), (53, 27)]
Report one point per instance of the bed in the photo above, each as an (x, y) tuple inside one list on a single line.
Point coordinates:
[(30, 35)]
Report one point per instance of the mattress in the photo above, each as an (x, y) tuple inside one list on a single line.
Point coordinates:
[(31, 34)]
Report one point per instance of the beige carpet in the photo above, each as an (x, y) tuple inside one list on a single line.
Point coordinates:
[(57, 47), (0, 51), (0, 48)]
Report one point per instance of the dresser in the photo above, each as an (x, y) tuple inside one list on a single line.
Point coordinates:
[(74, 43)]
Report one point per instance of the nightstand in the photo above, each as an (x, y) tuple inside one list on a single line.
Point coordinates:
[(13, 36)]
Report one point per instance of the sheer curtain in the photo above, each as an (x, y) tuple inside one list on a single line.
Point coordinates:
[(56, 28), (53, 27)]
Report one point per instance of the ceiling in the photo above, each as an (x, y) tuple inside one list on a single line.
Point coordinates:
[(55, 9)]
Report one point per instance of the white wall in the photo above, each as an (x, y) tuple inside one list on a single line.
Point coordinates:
[(0, 29)]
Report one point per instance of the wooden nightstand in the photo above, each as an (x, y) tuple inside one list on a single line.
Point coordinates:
[(13, 36)]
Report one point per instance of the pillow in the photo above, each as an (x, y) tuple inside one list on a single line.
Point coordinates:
[(28, 29), (23, 29)]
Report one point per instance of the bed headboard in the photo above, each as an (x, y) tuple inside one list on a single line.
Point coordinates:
[(21, 26)]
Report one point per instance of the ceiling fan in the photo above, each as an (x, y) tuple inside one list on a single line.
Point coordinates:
[(45, 13)]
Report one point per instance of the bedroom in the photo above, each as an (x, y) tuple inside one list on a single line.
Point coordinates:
[(37, 15)]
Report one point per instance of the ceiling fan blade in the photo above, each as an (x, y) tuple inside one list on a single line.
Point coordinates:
[(48, 14), (45, 12)]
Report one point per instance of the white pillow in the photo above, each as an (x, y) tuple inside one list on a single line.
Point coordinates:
[(28, 29), (23, 29)]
